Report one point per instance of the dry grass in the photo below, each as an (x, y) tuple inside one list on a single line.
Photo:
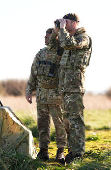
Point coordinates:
[(20, 106), (13, 87), (18, 103), (24, 110), (91, 102)]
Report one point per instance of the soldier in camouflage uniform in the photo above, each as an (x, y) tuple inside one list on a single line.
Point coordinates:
[(43, 79), (75, 59)]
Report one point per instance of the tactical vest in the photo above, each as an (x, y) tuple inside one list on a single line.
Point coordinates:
[(46, 68)]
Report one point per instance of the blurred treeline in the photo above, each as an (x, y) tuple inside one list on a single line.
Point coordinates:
[(15, 87)]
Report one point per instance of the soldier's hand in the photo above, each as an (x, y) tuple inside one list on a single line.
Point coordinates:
[(56, 30), (29, 97), (62, 23)]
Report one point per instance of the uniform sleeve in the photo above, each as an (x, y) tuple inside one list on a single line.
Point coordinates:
[(70, 42), (53, 42), (32, 81)]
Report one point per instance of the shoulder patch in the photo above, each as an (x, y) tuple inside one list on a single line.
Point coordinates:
[(78, 40)]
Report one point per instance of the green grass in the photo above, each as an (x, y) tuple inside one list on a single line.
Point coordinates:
[(97, 153), (93, 160), (98, 119)]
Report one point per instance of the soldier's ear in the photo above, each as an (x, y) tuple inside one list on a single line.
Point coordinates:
[(74, 23)]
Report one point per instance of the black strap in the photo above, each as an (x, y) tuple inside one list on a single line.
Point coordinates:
[(1, 103)]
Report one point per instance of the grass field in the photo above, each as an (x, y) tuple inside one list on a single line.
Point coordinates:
[(97, 156)]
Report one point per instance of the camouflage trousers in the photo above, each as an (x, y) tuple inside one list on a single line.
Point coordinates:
[(44, 112), (74, 121)]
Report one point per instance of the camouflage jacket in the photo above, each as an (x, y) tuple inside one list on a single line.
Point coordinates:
[(44, 76), (75, 59)]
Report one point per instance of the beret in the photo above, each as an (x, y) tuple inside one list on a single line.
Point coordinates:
[(71, 16)]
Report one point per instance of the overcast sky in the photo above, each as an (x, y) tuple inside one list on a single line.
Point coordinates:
[(22, 29)]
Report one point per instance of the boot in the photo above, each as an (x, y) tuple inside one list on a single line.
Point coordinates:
[(43, 154), (70, 157), (60, 156)]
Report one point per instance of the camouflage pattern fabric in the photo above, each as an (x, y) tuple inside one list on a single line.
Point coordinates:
[(75, 59), (43, 71), (44, 112), (74, 121), (14, 135), (47, 97)]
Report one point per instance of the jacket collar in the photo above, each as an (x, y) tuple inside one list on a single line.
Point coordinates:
[(80, 31)]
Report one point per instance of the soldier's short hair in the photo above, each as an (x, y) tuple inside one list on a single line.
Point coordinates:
[(72, 16), (49, 31)]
